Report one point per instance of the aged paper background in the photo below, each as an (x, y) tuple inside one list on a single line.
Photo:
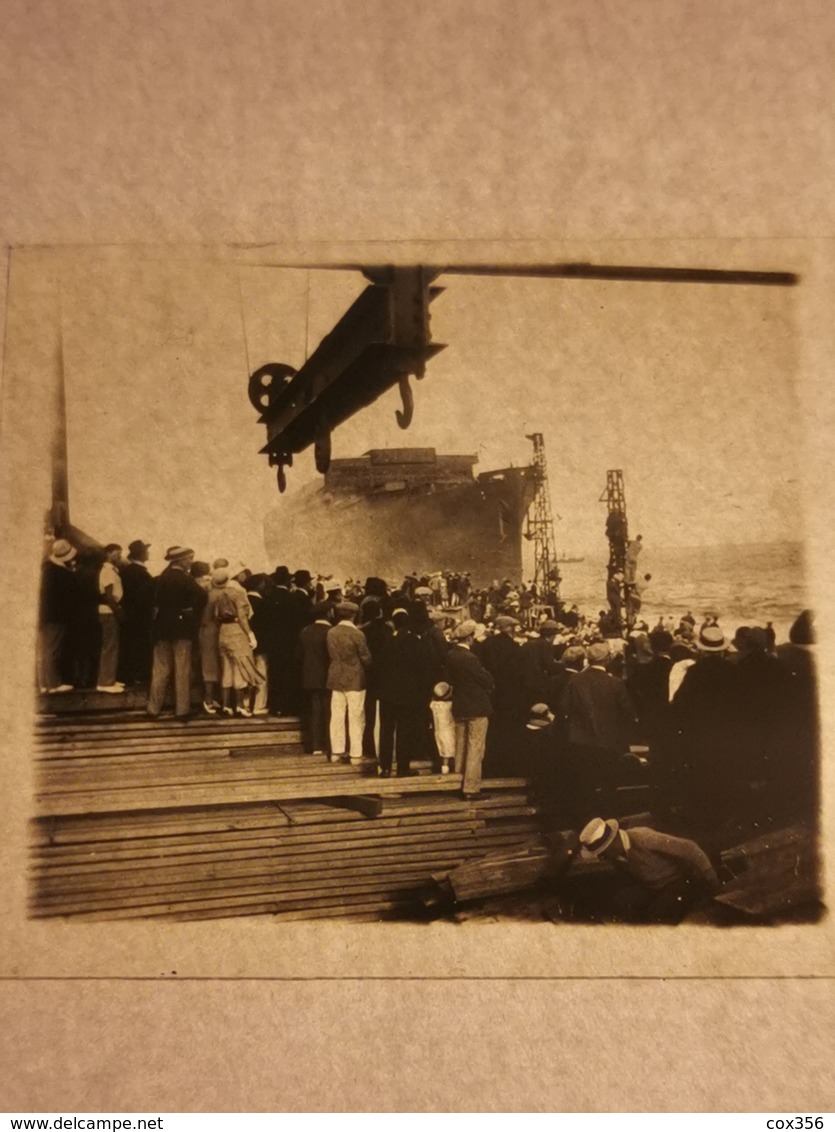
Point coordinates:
[(524, 131)]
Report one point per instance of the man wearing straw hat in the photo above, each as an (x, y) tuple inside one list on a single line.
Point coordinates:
[(178, 606), (705, 734), (663, 876), (57, 601)]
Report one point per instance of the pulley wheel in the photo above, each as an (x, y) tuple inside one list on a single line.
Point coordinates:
[(267, 383)]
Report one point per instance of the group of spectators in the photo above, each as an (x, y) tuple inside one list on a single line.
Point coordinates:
[(388, 673), (726, 731)]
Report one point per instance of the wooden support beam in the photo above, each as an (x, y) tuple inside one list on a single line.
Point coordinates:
[(369, 805)]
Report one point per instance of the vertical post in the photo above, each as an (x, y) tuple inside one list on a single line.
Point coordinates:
[(60, 509)]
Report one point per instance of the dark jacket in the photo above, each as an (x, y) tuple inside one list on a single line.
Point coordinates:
[(539, 667), (598, 711), (377, 634), (763, 688), (313, 651), (58, 594), (178, 606), (406, 675), (648, 686), (138, 597), (502, 658), (472, 684), (704, 712), (437, 647), (283, 623)]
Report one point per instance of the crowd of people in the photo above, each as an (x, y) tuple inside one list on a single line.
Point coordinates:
[(491, 681)]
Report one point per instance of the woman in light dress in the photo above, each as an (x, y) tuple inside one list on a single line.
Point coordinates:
[(239, 676), (207, 640)]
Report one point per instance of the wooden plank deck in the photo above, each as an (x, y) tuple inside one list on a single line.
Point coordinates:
[(125, 762), (227, 817)]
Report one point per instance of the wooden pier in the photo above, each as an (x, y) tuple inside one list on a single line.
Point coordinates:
[(229, 817)]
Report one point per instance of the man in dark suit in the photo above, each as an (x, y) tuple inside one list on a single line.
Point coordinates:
[(798, 659), (704, 741), (377, 632), (137, 612), (178, 607), (284, 620), (58, 597), (472, 706), (600, 724), (649, 687), (502, 657), (758, 776), (539, 664), (404, 686), (301, 589), (314, 663)]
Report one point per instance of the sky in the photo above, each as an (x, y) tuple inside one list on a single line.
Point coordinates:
[(688, 388)]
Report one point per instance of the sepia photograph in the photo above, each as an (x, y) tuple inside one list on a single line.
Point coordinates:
[(428, 591), (416, 482)]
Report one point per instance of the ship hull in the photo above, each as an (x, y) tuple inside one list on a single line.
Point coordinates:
[(475, 527)]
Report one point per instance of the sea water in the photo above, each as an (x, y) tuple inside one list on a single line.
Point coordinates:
[(747, 584)]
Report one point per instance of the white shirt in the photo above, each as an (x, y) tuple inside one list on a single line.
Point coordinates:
[(109, 576)]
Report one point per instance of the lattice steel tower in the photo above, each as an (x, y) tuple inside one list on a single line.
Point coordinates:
[(540, 524), (617, 531)]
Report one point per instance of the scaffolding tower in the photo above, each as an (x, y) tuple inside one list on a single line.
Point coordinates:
[(540, 526), (617, 530)]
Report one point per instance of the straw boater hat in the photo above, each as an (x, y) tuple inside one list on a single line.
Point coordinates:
[(62, 551), (596, 837), (540, 716), (711, 639), (175, 553), (442, 691)]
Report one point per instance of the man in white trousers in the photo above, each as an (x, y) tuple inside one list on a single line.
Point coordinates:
[(350, 657)]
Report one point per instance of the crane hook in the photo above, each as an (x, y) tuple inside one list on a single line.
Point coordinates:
[(404, 418)]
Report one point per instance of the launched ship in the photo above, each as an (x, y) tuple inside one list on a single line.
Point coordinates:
[(392, 511)]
